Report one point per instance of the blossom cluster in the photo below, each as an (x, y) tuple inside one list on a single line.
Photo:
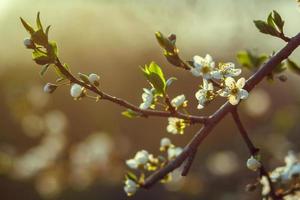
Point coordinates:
[(286, 177), (144, 162)]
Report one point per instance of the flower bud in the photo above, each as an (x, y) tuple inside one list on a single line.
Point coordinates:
[(130, 187), (94, 79), (28, 43), (253, 164), (50, 88), (76, 91), (165, 143)]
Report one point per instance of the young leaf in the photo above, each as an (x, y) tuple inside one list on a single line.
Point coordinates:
[(27, 26), (293, 66), (170, 81), (130, 113), (52, 50), (84, 78), (156, 77), (278, 21), (39, 37), (40, 58), (44, 69), (263, 27), (131, 176), (38, 21)]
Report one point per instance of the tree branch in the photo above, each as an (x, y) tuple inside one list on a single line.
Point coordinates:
[(214, 119), (253, 151), (144, 113)]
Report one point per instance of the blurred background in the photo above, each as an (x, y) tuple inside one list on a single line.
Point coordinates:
[(52, 147)]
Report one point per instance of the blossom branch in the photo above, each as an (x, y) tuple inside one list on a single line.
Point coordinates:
[(215, 118), (144, 113)]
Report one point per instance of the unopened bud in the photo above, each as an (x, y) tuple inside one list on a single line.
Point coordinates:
[(94, 79), (282, 78), (50, 88), (28, 43)]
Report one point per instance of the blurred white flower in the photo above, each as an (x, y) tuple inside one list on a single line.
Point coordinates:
[(147, 97), (76, 90), (265, 186), (94, 79), (140, 159), (205, 94), (203, 66), (253, 164), (130, 187), (225, 70), (176, 125), (178, 101), (234, 90), (165, 142), (173, 152)]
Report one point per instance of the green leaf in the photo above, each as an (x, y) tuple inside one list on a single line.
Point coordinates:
[(278, 21), (130, 114), (27, 26), (44, 69), (265, 28), (40, 58), (156, 77), (38, 21), (293, 66), (84, 78), (270, 20)]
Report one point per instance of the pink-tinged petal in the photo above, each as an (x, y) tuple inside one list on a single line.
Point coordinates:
[(243, 94), (233, 99), (241, 83), (230, 82)]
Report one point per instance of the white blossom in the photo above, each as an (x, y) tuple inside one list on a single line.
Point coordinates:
[(178, 101), (203, 66), (76, 90), (176, 125), (205, 94), (173, 152), (94, 79), (130, 187), (140, 159), (147, 97), (234, 90), (253, 163), (226, 70)]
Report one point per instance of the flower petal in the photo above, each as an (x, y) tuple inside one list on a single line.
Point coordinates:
[(216, 74), (230, 82), (196, 72), (208, 58), (234, 72), (243, 94), (233, 99), (241, 83)]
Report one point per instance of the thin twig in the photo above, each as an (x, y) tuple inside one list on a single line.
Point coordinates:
[(253, 151), (144, 113)]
